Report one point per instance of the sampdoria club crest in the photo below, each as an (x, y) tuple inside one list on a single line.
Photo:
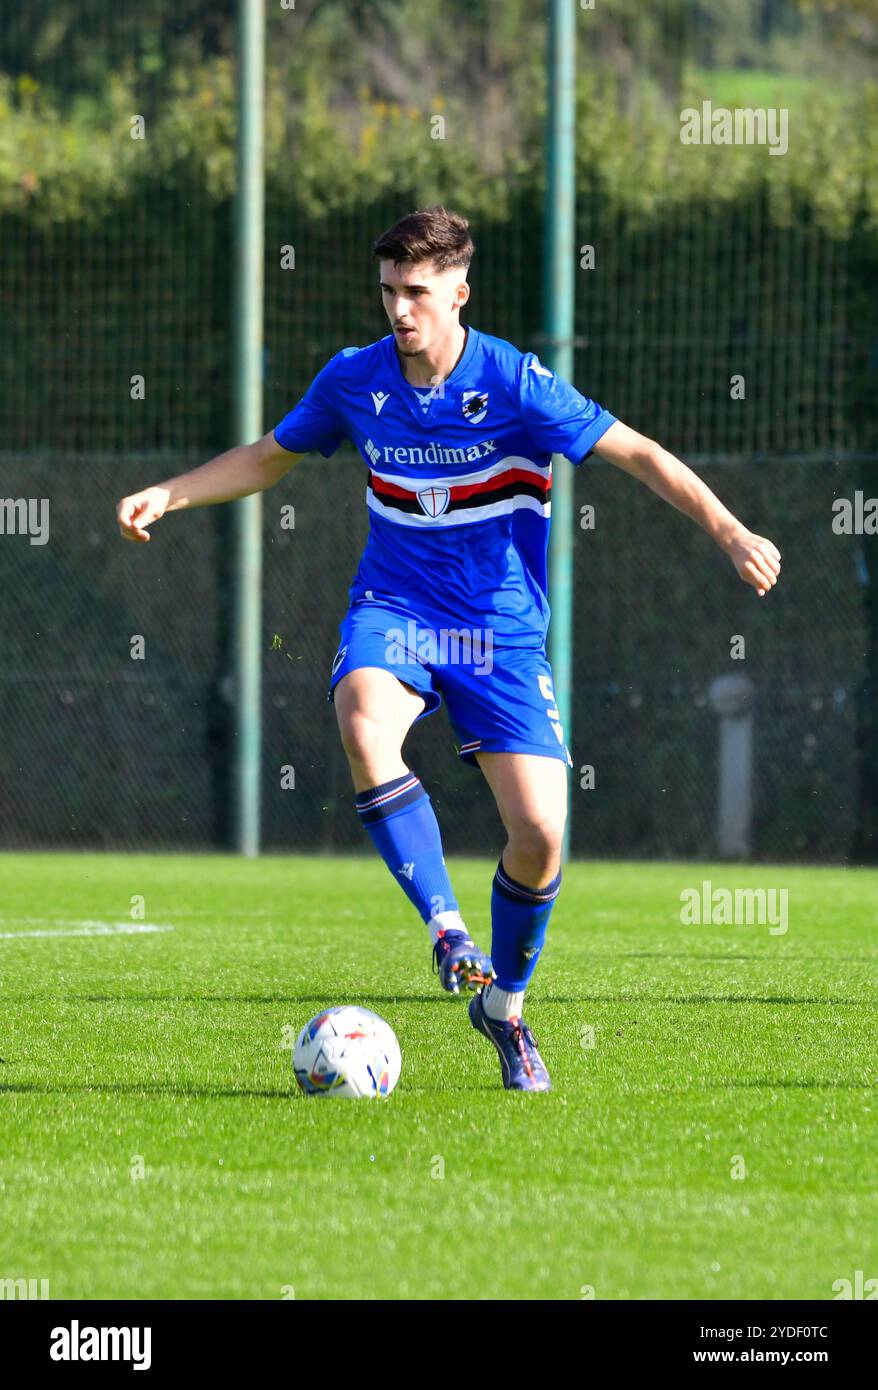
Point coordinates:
[(475, 406), (434, 500)]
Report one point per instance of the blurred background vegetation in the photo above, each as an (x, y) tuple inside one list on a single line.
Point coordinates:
[(352, 84)]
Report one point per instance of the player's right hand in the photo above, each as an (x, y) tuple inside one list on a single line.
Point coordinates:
[(140, 510)]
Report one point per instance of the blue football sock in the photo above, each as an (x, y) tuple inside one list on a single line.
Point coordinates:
[(519, 917), (399, 817)]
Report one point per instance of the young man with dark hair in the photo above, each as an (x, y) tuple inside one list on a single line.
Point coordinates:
[(457, 430)]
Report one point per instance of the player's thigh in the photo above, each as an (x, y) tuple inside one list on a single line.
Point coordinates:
[(375, 709), (531, 795)]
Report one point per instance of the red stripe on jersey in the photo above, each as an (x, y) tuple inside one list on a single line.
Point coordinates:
[(390, 489), (510, 475), (463, 490)]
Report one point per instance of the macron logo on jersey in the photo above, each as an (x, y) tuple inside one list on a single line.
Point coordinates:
[(540, 369), (379, 398)]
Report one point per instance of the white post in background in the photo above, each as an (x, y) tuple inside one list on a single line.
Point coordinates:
[(247, 346), (732, 698)]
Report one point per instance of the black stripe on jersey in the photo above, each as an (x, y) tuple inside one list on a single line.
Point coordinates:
[(479, 499)]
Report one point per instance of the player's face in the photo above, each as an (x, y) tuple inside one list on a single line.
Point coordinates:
[(421, 305)]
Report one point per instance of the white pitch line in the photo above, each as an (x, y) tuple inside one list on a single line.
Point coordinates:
[(83, 928)]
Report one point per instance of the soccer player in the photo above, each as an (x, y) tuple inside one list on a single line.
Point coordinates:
[(457, 431)]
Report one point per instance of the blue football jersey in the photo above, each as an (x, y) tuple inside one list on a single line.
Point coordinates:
[(459, 477)]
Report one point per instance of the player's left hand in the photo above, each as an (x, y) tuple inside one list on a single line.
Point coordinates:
[(757, 560)]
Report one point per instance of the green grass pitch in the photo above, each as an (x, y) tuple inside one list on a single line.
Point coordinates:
[(676, 1053)]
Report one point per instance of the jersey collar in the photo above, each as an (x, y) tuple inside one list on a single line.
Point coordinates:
[(459, 367)]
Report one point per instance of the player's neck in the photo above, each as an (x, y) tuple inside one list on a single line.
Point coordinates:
[(428, 369)]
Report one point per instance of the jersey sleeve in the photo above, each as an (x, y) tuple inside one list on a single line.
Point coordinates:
[(316, 423), (558, 419)]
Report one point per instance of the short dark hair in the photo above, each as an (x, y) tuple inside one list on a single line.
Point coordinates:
[(430, 234)]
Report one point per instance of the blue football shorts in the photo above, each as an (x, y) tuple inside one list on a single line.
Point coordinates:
[(499, 699)]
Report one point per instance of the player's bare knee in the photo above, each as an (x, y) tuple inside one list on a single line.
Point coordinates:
[(537, 843), (364, 736)]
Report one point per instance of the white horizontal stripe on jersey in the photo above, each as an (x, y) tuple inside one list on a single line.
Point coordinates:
[(461, 515)]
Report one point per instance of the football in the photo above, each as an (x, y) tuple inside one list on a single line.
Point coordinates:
[(347, 1051)]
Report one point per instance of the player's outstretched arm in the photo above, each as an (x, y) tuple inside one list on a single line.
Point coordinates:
[(756, 558), (236, 473)]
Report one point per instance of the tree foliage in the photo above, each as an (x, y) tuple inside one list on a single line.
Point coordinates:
[(445, 99)]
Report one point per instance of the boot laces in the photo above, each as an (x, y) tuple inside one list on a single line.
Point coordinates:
[(522, 1036)]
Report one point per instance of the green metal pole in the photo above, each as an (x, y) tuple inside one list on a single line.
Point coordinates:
[(558, 305), (249, 244)]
